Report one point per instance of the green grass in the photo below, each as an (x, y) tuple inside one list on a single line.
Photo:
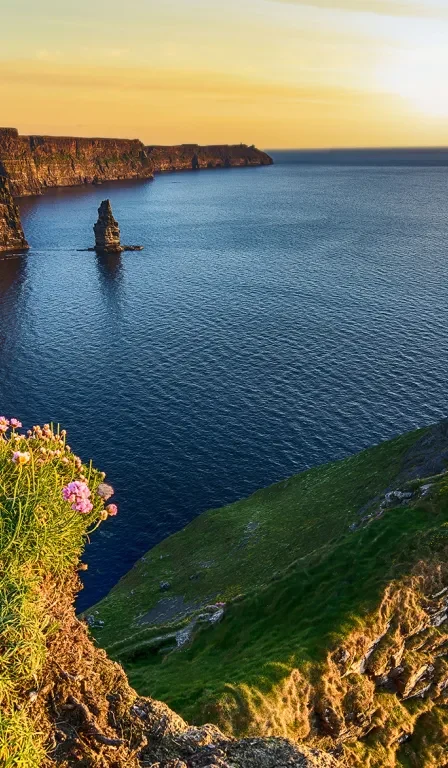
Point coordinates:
[(294, 519), (40, 542), (293, 621), (296, 584)]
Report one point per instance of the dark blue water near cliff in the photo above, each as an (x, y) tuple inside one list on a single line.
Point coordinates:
[(278, 318)]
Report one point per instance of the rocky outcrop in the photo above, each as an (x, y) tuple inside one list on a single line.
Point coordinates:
[(33, 163), (91, 717), (187, 157), (11, 232), (107, 231)]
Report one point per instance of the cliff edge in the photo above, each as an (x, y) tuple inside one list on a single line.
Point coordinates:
[(33, 163), (12, 237), (62, 701), (340, 659), (315, 610), (187, 157)]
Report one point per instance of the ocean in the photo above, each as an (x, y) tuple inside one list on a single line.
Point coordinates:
[(277, 318)]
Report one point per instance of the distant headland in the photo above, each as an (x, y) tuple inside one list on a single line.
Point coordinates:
[(33, 163)]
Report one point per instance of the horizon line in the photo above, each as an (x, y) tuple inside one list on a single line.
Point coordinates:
[(403, 148)]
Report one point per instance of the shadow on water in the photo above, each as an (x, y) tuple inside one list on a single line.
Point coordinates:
[(13, 273), (110, 271), (64, 195)]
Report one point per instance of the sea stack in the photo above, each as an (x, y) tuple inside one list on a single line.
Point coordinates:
[(11, 232), (107, 231)]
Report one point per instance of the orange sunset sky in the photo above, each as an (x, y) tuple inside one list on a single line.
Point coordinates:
[(278, 73)]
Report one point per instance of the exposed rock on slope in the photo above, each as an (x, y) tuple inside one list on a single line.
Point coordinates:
[(11, 232), (194, 157), (35, 162), (92, 718), (335, 628)]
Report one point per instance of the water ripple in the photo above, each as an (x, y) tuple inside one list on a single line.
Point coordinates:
[(277, 318)]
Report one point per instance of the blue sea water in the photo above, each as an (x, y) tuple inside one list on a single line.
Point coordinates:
[(277, 318)]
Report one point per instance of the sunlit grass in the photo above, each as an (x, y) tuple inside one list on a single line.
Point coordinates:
[(41, 538), (306, 580)]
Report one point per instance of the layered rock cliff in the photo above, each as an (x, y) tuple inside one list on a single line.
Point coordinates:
[(11, 232), (33, 163), (194, 157)]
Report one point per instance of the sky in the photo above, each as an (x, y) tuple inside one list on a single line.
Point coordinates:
[(277, 73)]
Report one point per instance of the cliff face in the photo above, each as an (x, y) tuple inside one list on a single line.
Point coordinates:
[(11, 232), (193, 157), (34, 162)]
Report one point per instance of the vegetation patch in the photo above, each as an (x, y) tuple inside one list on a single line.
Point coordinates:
[(41, 537), (329, 587)]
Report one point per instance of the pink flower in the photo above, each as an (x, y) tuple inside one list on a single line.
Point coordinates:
[(15, 423), (4, 424), (77, 493), (112, 510), (84, 506), (20, 458)]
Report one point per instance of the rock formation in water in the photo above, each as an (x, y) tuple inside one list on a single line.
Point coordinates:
[(107, 232), (12, 237), (194, 157), (33, 163)]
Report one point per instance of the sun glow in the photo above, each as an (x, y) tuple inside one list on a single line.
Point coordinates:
[(308, 73), (420, 77)]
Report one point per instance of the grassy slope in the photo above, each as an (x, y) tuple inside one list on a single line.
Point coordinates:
[(306, 577)]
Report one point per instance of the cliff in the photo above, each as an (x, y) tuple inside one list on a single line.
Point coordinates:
[(316, 610), (336, 655), (62, 701), (11, 232), (34, 162), (194, 157)]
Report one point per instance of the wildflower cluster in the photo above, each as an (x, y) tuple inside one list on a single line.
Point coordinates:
[(6, 424), (42, 447), (78, 494)]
